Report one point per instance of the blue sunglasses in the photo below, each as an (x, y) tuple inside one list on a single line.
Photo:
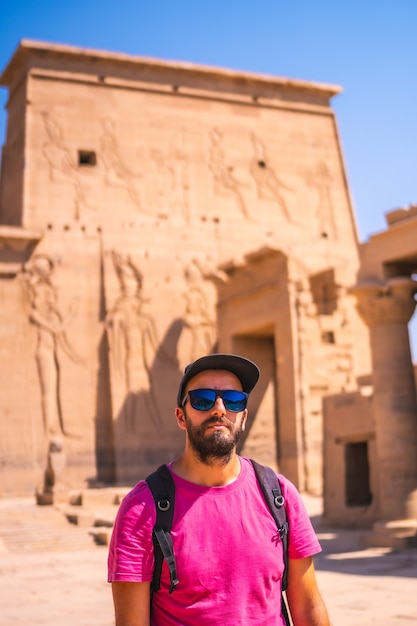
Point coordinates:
[(205, 399)]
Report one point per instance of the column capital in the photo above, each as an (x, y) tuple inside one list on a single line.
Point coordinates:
[(386, 302)]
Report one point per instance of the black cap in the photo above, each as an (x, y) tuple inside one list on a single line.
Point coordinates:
[(246, 371)]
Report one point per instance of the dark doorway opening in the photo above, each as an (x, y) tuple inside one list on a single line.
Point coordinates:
[(357, 487), (261, 437)]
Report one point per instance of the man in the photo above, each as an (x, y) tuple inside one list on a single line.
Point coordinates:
[(229, 557)]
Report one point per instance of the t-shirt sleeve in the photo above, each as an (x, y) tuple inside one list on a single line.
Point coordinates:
[(131, 556), (303, 541)]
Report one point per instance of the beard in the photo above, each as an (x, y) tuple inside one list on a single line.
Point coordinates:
[(219, 445)]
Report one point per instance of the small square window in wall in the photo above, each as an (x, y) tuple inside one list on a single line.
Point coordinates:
[(328, 337), (87, 157)]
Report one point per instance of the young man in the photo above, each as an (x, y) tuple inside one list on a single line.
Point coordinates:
[(228, 553)]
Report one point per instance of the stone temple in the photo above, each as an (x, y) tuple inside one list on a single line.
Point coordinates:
[(152, 212)]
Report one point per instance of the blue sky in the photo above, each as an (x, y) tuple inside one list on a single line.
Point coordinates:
[(368, 47)]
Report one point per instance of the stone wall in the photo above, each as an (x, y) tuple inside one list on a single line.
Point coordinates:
[(371, 439), (156, 187)]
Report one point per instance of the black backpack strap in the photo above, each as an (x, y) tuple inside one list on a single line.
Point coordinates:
[(271, 489), (162, 487)]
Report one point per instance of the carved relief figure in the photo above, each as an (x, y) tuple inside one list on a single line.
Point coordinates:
[(133, 343), (61, 163), (117, 174), (268, 183), (51, 338), (321, 179), (225, 182), (172, 165), (198, 334)]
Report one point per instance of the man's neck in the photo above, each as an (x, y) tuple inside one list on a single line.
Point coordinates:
[(217, 473)]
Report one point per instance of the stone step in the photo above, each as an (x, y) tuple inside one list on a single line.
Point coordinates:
[(78, 521), (101, 535), (27, 527), (90, 498), (397, 534), (87, 517)]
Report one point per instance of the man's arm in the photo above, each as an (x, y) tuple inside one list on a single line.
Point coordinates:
[(304, 599), (131, 603)]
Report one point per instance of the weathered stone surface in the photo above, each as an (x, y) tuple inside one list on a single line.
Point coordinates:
[(387, 428), (152, 212)]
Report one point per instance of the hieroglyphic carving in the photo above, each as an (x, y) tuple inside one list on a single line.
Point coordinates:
[(308, 339), (320, 178), (225, 182), (325, 341), (268, 183), (116, 172), (51, 326), (172, 166), (61, 163), (133, 343), (198, 334)]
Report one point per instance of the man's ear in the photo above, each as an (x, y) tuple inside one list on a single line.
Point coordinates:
[(244, 419), (179, 414)]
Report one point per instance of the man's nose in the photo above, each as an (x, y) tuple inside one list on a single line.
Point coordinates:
[(219, 408)]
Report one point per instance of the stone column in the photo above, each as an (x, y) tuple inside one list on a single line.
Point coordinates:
[(387, 309)]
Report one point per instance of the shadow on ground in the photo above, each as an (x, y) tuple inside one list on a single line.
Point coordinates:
[(344, 552)]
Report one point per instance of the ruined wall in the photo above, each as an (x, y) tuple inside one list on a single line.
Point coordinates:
[(146, 179), (307, 321), (371, 433), (51, 333), (351, 486)]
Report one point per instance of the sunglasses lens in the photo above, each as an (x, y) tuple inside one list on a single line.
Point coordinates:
[(234, 400), (202, 399), (205, 399)]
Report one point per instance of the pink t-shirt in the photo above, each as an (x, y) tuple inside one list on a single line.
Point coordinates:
[(227, 549)]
